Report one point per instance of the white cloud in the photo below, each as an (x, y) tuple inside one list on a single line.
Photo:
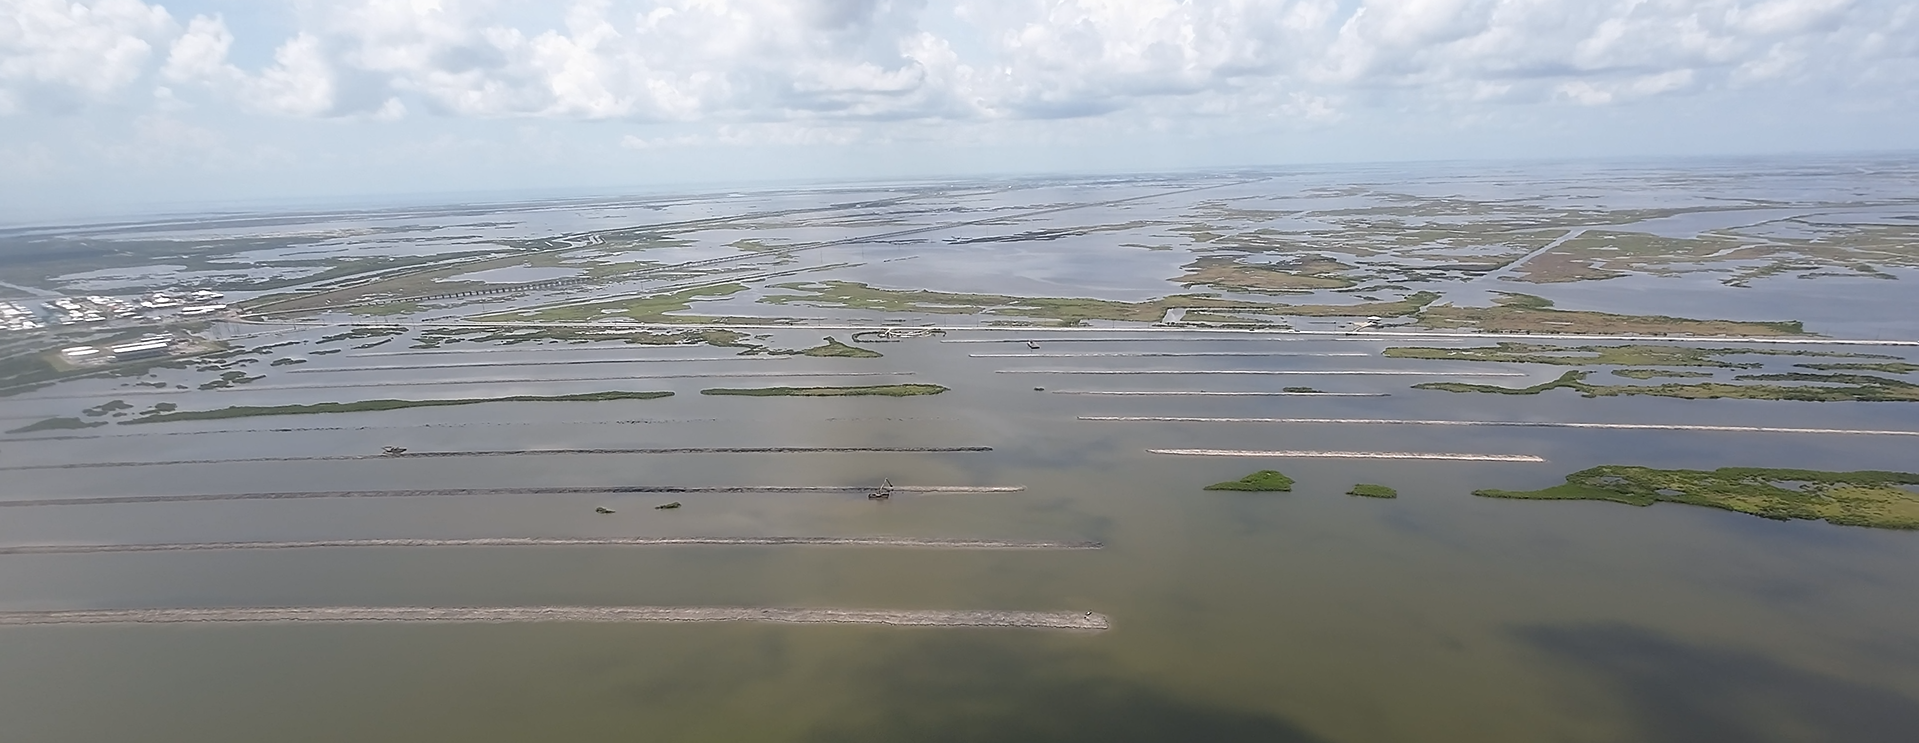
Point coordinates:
[(740, 62), (57, 55), (200, 54), (300, 83)]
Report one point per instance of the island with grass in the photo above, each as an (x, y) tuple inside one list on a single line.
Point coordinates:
[(371, 406), (1370, 490), (833, 348), (56, 424), (1813, 388), (1630, 354), (881, 390), (1263, 481), (1884, 500)]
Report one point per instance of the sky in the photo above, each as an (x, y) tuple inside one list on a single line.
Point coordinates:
[(110, 106)]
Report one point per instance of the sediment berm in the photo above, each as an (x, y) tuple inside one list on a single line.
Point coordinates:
[(522, 453), (455, 492), (908, 542), (897, 617)]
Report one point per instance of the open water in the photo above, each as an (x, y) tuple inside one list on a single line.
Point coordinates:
[(1301, 616)]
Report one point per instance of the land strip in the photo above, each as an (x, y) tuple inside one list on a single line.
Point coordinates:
[(551, 362), (1072, 620), (1524, 313), (522, 453), (364, 406), (1149, 353), (1205, 393), (1274, 372), (444, 382), (464, 424), (1295, 454), (883, 390), (1062, 311), (1054, 334), (1820, 388), (1869, 498), (1630, 355), (907, 542), (1518, 424), (457, 492)]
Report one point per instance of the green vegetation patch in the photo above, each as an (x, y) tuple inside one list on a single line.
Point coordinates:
[(1623, 355), (1653, 373), (1524, 313), (1065, 311), (1263, 481), (358, 333), (884, 390), (654, 308), (834, 348), (229, 379), (1369, 490), (1214, 318), (1827, 388), (56, 424), (1232, 275), (107, 407), (512, 336), (1887, 367), (27, 368), (1869, 498), (369, 406)]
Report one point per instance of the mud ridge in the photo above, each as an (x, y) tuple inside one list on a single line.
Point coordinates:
[(517, 614)]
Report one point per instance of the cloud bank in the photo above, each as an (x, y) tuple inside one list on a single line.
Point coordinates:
[(744, 61), (279, 97)]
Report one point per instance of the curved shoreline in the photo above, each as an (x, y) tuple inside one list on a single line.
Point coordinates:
[(1301, 454), (455, 492), (910, 542), (519, 453), (520, 614), (1515, 424)]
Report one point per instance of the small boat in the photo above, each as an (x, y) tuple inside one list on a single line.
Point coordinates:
[(602, 509), (664, 506), (885, 491), (393, 451), (1033, 345)]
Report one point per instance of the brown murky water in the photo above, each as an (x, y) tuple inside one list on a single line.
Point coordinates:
[(1301, 616)]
